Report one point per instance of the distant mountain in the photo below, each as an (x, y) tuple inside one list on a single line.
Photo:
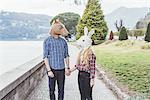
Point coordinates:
[(130, 16), (23, 26), (142, 23)]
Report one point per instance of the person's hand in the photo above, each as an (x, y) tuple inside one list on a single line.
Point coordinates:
[(92, 82), (50, 74), (67, 71)]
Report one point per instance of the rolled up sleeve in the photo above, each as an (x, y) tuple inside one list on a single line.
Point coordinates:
[(66, 51), (92, 66), (45, 50)]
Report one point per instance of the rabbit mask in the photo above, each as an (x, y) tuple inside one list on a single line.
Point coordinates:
[(85, 41)]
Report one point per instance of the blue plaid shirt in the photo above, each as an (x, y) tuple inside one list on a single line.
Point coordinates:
[(55, 49)]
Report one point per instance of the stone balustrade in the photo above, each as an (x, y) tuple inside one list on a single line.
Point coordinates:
[(19, 82)]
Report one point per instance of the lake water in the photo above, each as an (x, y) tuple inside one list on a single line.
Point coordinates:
[(15, 53)]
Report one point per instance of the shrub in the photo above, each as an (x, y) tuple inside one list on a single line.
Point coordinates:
[(123, 34), (136, 32), (98, 42), (146, 46), (147, 35)]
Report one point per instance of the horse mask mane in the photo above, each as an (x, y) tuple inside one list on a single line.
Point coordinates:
[(57, 28)]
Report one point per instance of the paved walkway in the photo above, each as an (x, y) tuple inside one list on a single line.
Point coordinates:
[(100, 91)]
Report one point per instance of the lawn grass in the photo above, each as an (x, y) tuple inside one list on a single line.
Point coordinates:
[(130, 66)]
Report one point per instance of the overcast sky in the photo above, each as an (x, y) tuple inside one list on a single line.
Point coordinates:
[(53, 7)]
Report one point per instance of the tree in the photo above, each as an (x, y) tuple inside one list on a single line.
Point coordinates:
[(123, 34), (142, 23), (93, 18), (147, 35), (69, 19), (118, 27), (111, 35)]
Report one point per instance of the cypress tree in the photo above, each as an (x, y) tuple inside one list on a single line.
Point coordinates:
[(147, 35), (93, 18), (123, 34)]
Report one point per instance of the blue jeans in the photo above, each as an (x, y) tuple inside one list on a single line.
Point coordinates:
[(59, 76)]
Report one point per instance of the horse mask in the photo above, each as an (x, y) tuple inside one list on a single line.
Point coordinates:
[(58, 28)]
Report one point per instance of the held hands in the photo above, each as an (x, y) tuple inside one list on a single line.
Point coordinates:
[(67, 71)]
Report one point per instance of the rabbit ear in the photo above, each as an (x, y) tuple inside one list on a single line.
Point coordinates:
[(85, 31), (91, 32)]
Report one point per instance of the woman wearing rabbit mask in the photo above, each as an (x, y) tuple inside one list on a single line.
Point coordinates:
[(86, 65)]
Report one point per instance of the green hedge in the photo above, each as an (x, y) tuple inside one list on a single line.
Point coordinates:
[(134, 32), (137, 32)]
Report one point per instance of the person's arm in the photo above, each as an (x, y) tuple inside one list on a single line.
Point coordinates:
[(66, 56), (67, 67), (49, 71), (47, 64), (67, 62), (77, 63), (92, 69), (73, 68), (45, 57)]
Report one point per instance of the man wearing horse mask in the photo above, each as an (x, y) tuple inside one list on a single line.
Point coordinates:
[(56, 58)]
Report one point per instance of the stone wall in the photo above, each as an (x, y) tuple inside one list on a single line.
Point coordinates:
[(18, 83)]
